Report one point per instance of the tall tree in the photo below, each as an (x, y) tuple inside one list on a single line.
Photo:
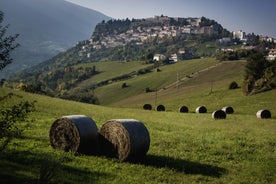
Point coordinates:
[(7, 44), (256, 66), (259, 74)]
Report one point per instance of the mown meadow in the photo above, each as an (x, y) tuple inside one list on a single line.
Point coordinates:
[(184, 148)]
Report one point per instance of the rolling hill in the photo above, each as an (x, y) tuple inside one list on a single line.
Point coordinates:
[(202, 80), (130, 45), (46, 28), (186, 147), (90, 73)]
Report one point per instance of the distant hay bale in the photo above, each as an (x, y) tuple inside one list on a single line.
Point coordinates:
[(125, 139), (219, 114), (75, 133), (183, 109), (147, 107), (228, 110), (160, 108), (201, 109), (263, 114)]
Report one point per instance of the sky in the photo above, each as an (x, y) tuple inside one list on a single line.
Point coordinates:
[(258, 16)]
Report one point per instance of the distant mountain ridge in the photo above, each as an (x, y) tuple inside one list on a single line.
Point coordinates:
[(46, 27)]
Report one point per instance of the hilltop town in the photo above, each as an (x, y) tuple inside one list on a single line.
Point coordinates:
[(140, 31), (187, 35)]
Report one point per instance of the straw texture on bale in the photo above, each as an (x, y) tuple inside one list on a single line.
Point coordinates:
[(219, 114), (147, 107), (126, 139), (228, 110), (184, 109), (201, 109), (75, 133), (263, 114), (160, 108)]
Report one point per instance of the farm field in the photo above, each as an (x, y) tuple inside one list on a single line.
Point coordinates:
[(113, 93), (184, 147), (111, 69)]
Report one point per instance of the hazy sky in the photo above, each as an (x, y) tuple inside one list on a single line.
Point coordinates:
[(258, 16)]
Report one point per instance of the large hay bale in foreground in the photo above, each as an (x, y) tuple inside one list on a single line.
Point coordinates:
[(184, 109), (160, 108), (126, 139), (201, 109), (75, 133), (147, 107), (219, 114), (263, 114), (228, 110)]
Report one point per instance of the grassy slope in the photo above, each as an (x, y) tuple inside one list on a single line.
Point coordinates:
[(196, 90), (191, 91), (113, 93), (185, 148), (110, 70)]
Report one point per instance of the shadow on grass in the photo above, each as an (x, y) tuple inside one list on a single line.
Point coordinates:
[(185, 166), (27, 167)]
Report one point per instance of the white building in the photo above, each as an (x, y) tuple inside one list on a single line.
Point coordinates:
[(239, 35), (159, 57), (271, 55), (174, 57), (225, 40)]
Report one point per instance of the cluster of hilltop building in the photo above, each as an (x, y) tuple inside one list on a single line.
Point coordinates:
[(161, 27), (244, 38), (140, 34)]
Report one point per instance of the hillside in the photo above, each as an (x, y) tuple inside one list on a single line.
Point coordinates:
[(94, 79), (46, 28), (122, 63), (186, 147), (65, 74), (176, 84), (179, 85)]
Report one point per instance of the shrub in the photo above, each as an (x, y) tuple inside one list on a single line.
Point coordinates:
[(10, 116), (124, 85), (148, 90), (233, 85)]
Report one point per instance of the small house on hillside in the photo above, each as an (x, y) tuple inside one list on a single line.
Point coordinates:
[(180, 55), (271, 55), (159, 57), (224, 40), (174, 57)]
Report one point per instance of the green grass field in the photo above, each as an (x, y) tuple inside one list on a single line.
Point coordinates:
[(110, 70), (184, 148), (113, 93)]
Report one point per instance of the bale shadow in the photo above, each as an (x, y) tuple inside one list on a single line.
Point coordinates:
[(185, 166), (45, 168)]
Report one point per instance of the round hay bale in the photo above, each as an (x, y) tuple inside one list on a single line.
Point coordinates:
[(263, 114), (201, 109), (147, 107), (75, 133), (125, 139), (160, 108), (228, 110), (219, 114), (183, 109)]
